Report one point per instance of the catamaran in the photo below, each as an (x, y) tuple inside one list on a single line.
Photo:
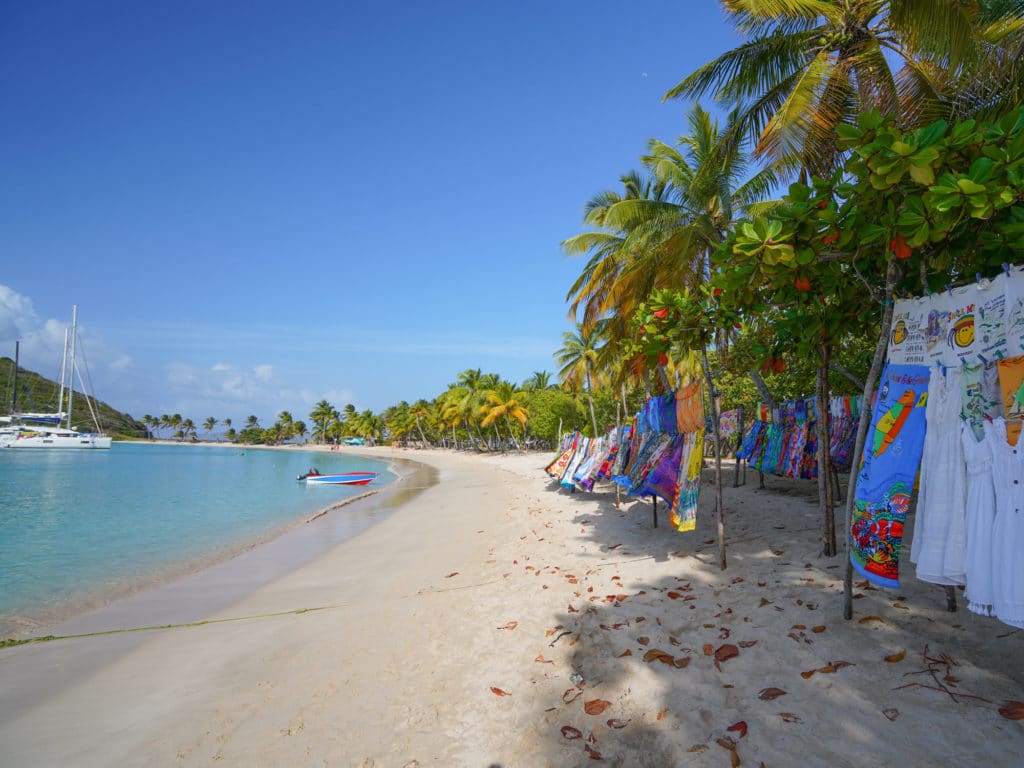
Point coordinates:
[(53, 430)]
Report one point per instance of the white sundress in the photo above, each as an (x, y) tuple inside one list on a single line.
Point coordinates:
[(939, 543), (981, 514), (1008, 528)]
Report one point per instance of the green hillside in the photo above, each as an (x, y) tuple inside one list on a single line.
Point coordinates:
[(40, 394)]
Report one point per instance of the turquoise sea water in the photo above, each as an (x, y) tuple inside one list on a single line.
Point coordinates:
[(79, 527)]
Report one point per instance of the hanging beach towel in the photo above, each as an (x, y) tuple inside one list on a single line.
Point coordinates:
[(885, 481)]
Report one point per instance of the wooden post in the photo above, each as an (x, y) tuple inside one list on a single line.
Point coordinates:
[(951, 599), (891, 274), (654, 509)]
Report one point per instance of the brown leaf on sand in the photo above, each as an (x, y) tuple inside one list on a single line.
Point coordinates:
[(808, 674), (571, 733), (893, 658), (592, 753), (1012, 710), (644, 640), (674, 595), (767, 694), (698, 748), (747, 643), (661, 715), (596, 706), (818, 629), (764, 602), (729, 744), (626, 652), (453, 573), (617, 724), (499, 692), (789, 717), (681, 662), (509, 625), (541, 660), (573, 610), (892, 713), (570, 695), (726, 652), (867, 619), (656, 654), (709, 649)]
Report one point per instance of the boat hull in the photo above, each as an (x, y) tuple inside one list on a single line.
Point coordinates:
[(37, 439), (350, 478)]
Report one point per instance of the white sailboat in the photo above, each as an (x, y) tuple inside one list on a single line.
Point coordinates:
[(54, 430)]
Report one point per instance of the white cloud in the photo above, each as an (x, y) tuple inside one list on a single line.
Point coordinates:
[(122, 363), (264, 372)]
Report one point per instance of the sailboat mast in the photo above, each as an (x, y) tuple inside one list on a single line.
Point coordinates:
[(63, 376), (74, 336)]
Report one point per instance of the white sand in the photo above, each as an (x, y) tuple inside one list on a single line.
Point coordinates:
[(397, 664)]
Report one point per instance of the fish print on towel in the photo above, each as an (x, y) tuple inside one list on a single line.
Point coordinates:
[(885, 480)]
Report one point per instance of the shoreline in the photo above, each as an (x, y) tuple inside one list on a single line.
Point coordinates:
[(494, 616), (27, 625)]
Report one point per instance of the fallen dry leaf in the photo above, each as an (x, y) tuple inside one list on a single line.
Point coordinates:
[(626, 652), (453, 573), (656, 654), (681, 662), (740, 728), (767, 694), (893, 658), (1012, 710), (798, 626), (764, 602), (789, 717), (892, 713), (808, 674), (661, 715), (509, 625), (617, 724), (571, 695), (591, 752), (818, 629), (596, 706), (674, 595), (644, 640), (747, 643), (541, 660), (709, 649), (499, 692), (571, 733), (726, 652), (867, 619), (698, 748)]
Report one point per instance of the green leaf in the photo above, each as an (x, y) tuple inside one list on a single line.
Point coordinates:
[(981, 170), (922, 174), (968, 187)]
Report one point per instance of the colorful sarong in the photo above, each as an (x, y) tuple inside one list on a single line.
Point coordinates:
[(1011, 382), (885, 481), (683, 514)]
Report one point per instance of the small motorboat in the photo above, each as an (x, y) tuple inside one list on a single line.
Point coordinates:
[(348, 478)]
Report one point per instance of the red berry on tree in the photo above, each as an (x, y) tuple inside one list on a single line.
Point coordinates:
[(802, 284), (662, 359), (900, 249), (661, 314)]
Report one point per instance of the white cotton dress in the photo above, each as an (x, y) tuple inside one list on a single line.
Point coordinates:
[(1008, 528), (939, 544), (981, 515)]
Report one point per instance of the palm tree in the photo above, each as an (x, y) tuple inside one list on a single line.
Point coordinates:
[(188, 428), (209, 424), (505, 401), (299, 430), (252, 422), (578, 358), (321, 415), (538, 381), (808, 65), (420, 409)]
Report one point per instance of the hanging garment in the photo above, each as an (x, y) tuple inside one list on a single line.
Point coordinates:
[(664, 475), (961, 318), (885, 479), (939, 541), (683, 513), (981, 514), (1008, 528), (990, 321), (582, 451), (936, 328), (557, 467), (729, 424), (1011, 382), (650, 454), (689, 408), (907, 341), (981, 396), (1013, 319)]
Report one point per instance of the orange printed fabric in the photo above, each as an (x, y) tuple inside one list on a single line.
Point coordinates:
[(1011, 383), (689, 408)]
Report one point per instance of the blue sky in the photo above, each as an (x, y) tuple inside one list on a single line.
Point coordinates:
[(260, 205)]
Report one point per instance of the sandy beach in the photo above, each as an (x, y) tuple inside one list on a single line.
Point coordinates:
[(494, 619)]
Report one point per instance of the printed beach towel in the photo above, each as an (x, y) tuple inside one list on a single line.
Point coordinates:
[(885, 481)]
